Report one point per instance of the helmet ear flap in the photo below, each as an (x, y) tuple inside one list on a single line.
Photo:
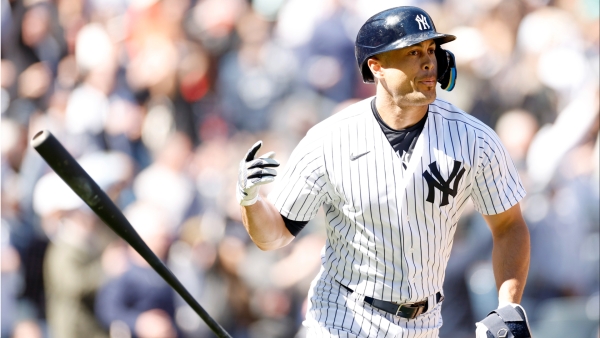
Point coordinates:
[(446, 68), (367, 75)]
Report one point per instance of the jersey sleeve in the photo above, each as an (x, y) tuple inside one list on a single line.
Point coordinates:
[(497, 186), (302, 188)]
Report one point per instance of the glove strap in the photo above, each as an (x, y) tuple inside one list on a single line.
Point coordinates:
[(509, 314), (496, 326)]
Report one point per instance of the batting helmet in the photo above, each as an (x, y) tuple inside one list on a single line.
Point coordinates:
[(401, 27)]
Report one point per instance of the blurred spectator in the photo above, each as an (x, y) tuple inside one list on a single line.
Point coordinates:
[(329, 57), (72, 274), (12, 279), (254, 76), (6, 18), (21, 235), (516, 129), (35, 36), (123, 130), (28, 329), (166, 182), (139, 297), (567, 219), (552, 142), (191, 259), (212, 22)]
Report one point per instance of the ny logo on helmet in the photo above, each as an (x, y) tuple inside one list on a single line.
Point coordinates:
[(435, 180), (422, 20)]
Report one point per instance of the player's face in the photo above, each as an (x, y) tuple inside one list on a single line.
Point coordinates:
[(409, 74)]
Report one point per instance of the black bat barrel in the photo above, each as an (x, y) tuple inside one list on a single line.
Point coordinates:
[(67, 168)]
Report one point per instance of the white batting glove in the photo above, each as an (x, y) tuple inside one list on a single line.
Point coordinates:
[(253, 173)]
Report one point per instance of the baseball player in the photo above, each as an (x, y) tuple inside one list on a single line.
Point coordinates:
[(392, 173)]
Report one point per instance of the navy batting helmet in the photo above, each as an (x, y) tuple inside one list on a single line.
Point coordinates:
[(401, 27)]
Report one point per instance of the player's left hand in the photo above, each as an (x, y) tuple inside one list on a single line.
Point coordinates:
[(509, 321), (253, 173)]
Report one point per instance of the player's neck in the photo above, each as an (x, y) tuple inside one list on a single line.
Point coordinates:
[(398, 117)]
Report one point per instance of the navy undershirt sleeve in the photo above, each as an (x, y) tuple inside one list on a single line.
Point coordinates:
[(294, 226)]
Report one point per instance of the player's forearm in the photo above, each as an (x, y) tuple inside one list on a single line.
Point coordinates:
[(265, 225), (510, 258)]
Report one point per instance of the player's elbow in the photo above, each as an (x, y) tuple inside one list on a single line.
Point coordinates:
[(273, 245), (266, 247)]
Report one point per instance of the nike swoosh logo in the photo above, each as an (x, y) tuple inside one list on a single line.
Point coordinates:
[(354, 157)]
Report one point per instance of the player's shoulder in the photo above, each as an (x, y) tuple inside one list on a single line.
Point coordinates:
[(321, 133), (349, 115), (450, 112)]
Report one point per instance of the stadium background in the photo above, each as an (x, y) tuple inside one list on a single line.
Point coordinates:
[(159, 99)]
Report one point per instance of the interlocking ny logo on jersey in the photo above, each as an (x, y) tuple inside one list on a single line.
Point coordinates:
[(422, 20), (437, 181)]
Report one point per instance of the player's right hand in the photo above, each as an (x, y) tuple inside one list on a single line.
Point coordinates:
[(507, 321), (253, 173)]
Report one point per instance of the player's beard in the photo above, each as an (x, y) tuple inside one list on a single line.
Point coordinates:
[(417, 98), (408, 93)]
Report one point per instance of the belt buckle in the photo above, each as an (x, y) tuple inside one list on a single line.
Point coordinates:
[(419, 311), (416, 313)]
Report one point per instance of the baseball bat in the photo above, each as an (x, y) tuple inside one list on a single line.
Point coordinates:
[(67, 168)]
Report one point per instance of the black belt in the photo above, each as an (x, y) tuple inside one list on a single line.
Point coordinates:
[(408, 310)]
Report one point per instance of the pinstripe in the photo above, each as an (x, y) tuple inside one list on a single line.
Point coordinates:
[(463, 183), (389, 217), (485, 180), (400, 232), (432, 257), (360, 198), (500, 172), (423, 262), (376, 210), (412, 255), (298, 179), (381, 221), (431, 206), (350, 226), (334, 228), (439, 222), (495, 182), (488, 135), (445, 226), (450, 229), (370, 209), (287, 173), (481, 193), (312, 188)]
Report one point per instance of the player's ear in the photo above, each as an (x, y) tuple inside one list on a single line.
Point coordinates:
[(376, 67)]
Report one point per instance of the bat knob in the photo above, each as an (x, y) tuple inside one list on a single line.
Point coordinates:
[(39, 138)]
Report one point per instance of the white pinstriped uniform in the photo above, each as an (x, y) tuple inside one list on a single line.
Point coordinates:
[(385, 238)]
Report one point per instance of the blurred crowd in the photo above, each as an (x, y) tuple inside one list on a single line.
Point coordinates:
[(160, 99)]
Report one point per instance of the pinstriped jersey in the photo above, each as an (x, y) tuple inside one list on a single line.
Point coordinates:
[(390, 228)]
